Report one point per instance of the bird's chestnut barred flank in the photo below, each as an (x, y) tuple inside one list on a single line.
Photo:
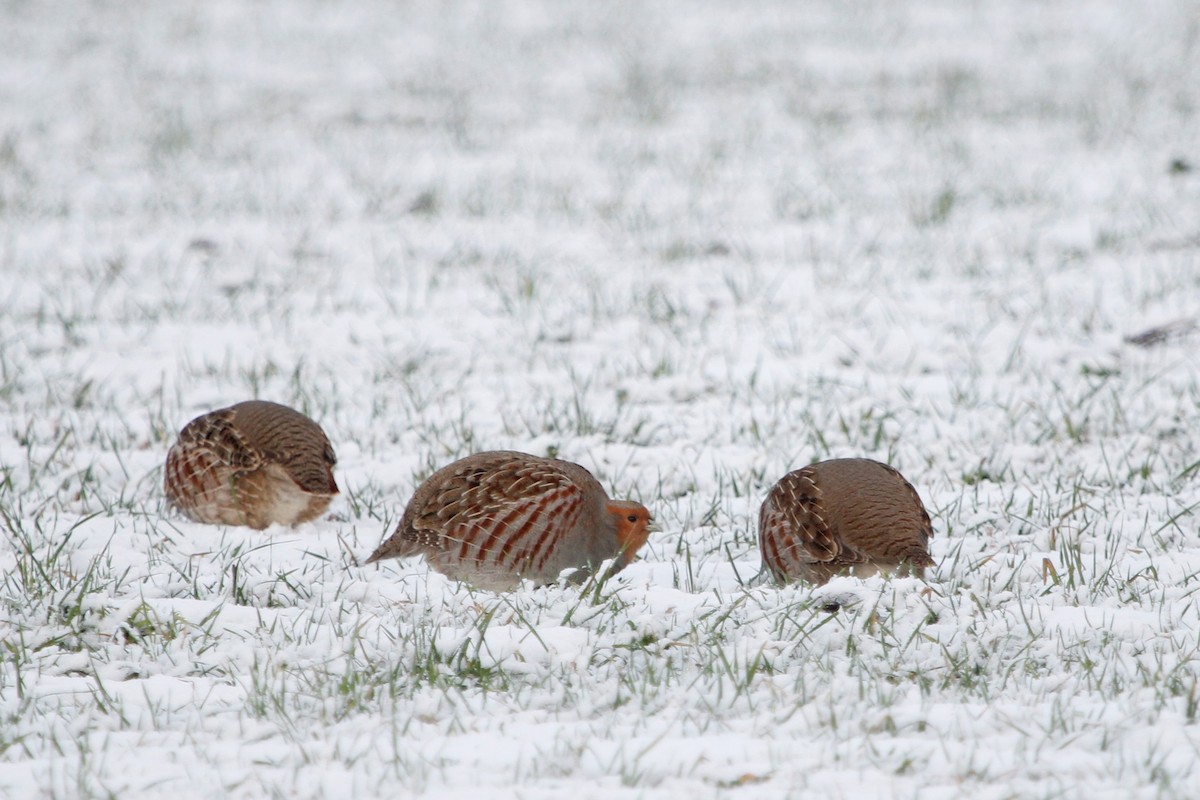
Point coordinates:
[(255, 464), (494, 518), (848, 516)]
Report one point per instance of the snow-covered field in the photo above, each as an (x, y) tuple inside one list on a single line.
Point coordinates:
[(688, 245)]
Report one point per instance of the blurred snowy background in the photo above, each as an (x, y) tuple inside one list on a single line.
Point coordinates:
[(689, 245)]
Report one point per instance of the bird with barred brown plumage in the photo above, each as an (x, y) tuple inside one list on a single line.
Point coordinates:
[(255, 463), (847, 516), (495, 518)]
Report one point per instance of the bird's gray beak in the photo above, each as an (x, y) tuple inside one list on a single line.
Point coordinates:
[(652, 526)]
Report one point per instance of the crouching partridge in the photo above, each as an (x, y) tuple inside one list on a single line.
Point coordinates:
[(495, 518), (254, 463), (848, 516)]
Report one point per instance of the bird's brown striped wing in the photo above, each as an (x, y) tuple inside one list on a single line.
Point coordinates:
[(793, 533), (202, 466), (513, 518), (287, 437), (520, 536), (492, 518), (216, 433)]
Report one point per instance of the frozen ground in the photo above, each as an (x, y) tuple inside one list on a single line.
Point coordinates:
[(690, 245)]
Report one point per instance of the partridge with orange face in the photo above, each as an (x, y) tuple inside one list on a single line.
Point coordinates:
[(495, 518), (254, 463), (848, 516)]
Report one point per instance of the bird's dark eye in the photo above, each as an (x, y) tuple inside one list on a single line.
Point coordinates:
[(632, 518)]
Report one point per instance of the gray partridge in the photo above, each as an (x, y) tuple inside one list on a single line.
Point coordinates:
[(848, 516), (254, 463), (494, 518)]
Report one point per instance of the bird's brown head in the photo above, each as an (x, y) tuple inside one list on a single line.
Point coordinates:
[(634, 526)]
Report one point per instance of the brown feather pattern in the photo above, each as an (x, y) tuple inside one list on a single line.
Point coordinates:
[(844, 516), (255, 463), (494, 518)]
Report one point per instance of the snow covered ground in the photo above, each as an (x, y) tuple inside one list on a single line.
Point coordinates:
[(689, 245)]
